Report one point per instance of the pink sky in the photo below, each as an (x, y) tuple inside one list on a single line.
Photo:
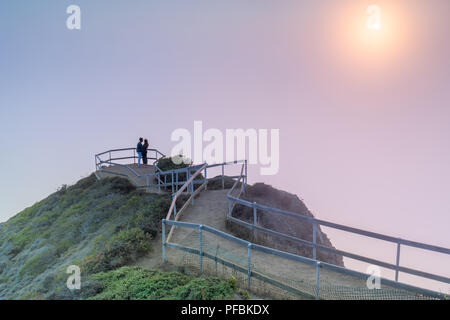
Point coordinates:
[(364, 126)]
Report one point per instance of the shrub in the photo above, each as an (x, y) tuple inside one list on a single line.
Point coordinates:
[(39, 263), (168, 163), (123, 248), (131, 283)]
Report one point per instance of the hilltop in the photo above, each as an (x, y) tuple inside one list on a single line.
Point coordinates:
[(100, 226), (105, 227)]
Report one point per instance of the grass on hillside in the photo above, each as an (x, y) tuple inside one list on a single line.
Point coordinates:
[(133, 283), (98, 225)]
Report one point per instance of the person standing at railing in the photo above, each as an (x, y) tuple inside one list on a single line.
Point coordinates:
[(139, 150), (144, 151)]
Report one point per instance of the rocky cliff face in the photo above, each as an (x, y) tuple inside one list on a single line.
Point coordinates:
[(266, 195)]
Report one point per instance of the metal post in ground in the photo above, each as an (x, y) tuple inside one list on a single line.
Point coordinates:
[(314, 241), (397, 264), (245, 178), (163, 240), (249, 270), (206, 179), (174, 207), (200, 228), (317, 279), (255, 221), (223, 173), (159, 182)]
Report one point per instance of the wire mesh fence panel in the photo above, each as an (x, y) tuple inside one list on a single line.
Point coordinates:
[(295, 279), (335, 285), (274, 274)]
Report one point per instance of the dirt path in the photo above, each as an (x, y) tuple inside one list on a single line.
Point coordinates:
[(210, 208)]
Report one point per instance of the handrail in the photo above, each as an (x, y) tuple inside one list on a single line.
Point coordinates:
[(180, 191), (99, 161), (286, 255), (232, 201), (177, 194)]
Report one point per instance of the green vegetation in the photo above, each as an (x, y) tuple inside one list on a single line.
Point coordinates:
[(98, 225), (170, 163), (131, 283)]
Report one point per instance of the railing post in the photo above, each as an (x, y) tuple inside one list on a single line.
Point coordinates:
[(223, 173), (172, 182), (176, 187), (249, 269), (397, 260), (200, 236), (174, 207), (206, 179), (159, 182), (317, 279), (254, 221), (134, 156), (245, 179), (242, 186), (314, 241), (163, 239), (191, 187)]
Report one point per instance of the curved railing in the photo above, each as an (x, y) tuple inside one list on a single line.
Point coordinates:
[(233, 200), (113, 160), (251, 268), (190, 183)]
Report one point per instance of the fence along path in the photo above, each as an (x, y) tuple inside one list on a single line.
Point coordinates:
[(211, 208), (214, 215)]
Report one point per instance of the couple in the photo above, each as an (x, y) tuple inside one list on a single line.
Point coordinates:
[(141, 150)]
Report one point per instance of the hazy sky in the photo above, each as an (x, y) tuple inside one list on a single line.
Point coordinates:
[(364, 119)]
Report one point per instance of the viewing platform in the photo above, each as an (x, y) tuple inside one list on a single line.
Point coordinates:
[(123, 163)]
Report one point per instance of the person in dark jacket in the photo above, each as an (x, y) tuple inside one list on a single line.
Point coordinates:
[(144, 151), (139, 150)]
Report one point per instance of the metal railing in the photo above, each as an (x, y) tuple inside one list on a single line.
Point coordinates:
[(189, 184), (232, 201), (250, 271), (161, 177), (111, 160)]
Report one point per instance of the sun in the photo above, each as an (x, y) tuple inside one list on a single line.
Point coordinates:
[(374, 17)]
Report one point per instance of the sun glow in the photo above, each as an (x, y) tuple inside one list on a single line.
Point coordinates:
[(374, 17), (372, 39)]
